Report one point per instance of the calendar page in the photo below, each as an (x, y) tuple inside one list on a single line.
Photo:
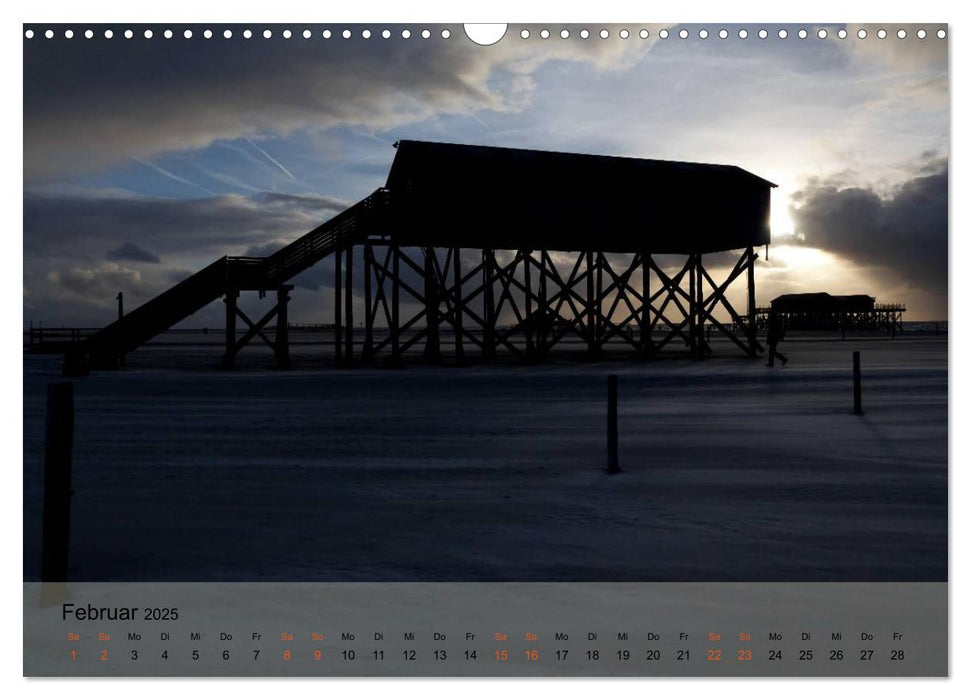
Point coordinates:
[(485, 350)]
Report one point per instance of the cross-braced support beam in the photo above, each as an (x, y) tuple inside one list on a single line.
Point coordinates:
[(349, 305), (717, 298), (526, 302), (281, 341)]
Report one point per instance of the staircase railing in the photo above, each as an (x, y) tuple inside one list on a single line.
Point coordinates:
[(207, 285), (332, 235)]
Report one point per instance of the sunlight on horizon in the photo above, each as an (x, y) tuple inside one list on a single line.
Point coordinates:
[(780, 221)]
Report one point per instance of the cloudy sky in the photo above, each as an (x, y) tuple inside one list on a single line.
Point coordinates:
[(146, 159)]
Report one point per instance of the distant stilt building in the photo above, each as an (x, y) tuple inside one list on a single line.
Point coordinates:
[(820, 311)]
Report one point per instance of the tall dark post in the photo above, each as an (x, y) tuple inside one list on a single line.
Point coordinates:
[(545, 316), (395, 305), (338, 330), (646, 341), (599, 324), (612, 464), (368, 316), (752, 342), (229, 356), (457, 306), (282, 340), (857, 389), (692, 313), (432, 348), (349, 306), (700, 307), (488, 304), (58, 442), (529, 320), (591, 314)]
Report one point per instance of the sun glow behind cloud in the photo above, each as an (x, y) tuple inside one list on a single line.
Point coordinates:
[(780, 221), (810, 261)]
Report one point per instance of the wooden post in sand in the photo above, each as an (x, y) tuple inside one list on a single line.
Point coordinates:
[(857, 390)]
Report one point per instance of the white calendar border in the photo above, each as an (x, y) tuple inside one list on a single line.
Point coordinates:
[(492, 11)]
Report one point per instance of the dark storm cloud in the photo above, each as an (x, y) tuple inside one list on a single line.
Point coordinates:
[(96, 282), (314, 279), (262, 250), (64, 283), (132, 252), (88, 104), (177, 274), (905, 233), (306, 203)]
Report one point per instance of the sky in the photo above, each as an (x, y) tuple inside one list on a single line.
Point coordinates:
[(146, 159)]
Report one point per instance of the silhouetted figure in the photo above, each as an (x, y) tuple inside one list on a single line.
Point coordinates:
[(777, 331)]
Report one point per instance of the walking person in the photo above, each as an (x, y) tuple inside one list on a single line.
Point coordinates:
[(777, 331)]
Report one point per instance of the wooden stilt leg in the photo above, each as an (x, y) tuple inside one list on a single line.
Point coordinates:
[(591, 312), (349, 306), (229, 356), (338, 330), (282, 344), (369, 312), (752, 341), (488, 304), (457, 307), (528, 317), (395, 306), (432, 347)]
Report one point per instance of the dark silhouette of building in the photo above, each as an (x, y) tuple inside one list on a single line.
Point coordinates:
[(464, 238), (820, 311)]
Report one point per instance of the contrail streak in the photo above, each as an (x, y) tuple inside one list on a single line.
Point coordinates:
[(473, 116), (170, 175), (271, 158)]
